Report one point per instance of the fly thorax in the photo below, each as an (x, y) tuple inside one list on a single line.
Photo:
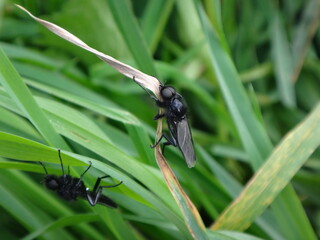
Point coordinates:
[(178, 108)]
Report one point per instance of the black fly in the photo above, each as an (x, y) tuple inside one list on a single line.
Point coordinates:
[(70, 188), (176, 115)]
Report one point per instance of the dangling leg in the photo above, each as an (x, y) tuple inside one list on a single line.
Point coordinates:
[(156, 117), (97, 184), (170, 141), (94, 196), (81, 176), (90, 164)]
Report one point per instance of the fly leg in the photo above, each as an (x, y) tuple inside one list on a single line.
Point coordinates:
[(81, 176), (170, 141), (94, 195), (158, 116)]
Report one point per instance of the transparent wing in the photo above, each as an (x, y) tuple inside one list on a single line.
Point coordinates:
[(185, 143)]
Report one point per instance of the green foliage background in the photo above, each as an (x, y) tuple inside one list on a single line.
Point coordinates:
[(249, 72)]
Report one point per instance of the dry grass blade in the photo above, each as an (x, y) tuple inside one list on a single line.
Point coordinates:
[(141, 78), (190, 212)]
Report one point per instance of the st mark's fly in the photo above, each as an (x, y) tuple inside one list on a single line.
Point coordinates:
[(70, 188), (176, 116)]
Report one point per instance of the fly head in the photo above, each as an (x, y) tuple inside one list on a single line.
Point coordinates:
[(52, 182), (167, 93)]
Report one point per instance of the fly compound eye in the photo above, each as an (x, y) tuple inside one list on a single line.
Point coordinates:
[(168, 92)]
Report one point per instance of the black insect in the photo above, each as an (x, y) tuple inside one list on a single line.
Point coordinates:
[(70, 188), (176, 115)]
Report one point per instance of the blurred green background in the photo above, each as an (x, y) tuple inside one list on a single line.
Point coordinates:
[(249, 72)]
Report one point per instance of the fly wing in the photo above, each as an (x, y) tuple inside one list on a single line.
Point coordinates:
[(185, 143)]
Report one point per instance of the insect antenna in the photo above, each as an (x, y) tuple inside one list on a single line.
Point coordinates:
[(43, 167), (59, 153)]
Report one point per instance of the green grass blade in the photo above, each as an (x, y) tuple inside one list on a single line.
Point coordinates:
[(303, 35), (13, 83), (62, 222), (283, 63), (16, 201), (253, 136), (274, 175), (154, 19), (10, 122), (129, 28), (117, 224), (109, 111), (190, 212)]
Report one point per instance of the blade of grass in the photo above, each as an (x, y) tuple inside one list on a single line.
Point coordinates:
[(13, 83), (141, 78), (21, 208), (274, 175), (101, 147), (25, 55), (110, 112), (11, 145), (189, 211), (236, 235), (141, 139), (283, 64), (62, 222), (20, 125), (127, 24), (233, 187), (305, 31), (116, 222), (60, 81), (153, 21), (253, 136), (34, 191)]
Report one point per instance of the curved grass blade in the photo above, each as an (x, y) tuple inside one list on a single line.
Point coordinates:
[(19, 148), (18, 125), (274, 175), (131, 33), (145, 80), (154, 19), (305, 31), (62, 222), (110, 112), (283, 63), (17, 89), (189, 211), (158, 198), (254, 138), (22, 209)]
